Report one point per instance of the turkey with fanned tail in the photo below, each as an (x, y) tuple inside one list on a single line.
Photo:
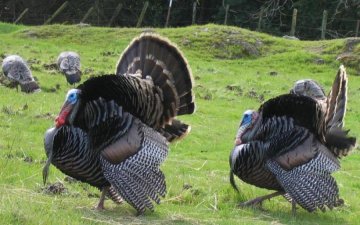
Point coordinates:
[(113, 130), (293, 143), (17, 71)]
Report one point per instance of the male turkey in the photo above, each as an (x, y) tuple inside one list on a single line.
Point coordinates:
[(18, 72), (292, 145), (69, 65), (113, 130)]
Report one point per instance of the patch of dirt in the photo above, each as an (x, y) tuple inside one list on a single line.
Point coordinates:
[(50, 66), (47, 116), (255, 95), (273, 73), (93, 195), (88, 70), (28, 159), (55, 188), (70, 180), (33, 61), (203, 93), (107, 53), (235, 88)]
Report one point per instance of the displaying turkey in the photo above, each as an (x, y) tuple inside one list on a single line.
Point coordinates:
[(293, 143), (69, 65), (113, 130), (18, 72)]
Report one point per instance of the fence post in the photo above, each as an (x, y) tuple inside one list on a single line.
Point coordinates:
[(293, 23), (116, 13), (143, 11), (87, 14), (194, 13), (260, 19), (226, 13), (357, 28), (21, 15), (57, 12), (168, 14), (323, 25)]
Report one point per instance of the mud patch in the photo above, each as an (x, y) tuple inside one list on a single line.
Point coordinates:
[(55, 189)]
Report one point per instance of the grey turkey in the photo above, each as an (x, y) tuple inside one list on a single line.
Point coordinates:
[(17, 71), (293, 143), (113, 130), (69, 64)]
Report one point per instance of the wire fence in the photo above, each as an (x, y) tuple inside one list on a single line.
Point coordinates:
[(155, 17)]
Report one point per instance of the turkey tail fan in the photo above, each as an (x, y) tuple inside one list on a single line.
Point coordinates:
[(157, 59), (337, 99), (176, 131), (30, 87)]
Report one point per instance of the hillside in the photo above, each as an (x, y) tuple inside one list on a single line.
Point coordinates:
[(234, 69)]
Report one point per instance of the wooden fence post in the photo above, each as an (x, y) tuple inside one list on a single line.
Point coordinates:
[(57, 12), (293, 23), (87, 14), (143, 11), (357, 28), (260, 19), (226, 13), (323, 25), (21, 15), (168, 14), (194, 13), (116, 13)]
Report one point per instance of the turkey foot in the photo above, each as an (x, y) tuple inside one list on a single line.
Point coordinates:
[(259, 200)]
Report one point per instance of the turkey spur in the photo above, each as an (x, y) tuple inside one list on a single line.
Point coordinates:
[(293, 143), (113, 130)]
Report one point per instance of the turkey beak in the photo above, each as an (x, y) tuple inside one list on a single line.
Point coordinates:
[(46, 168), (237, 141)]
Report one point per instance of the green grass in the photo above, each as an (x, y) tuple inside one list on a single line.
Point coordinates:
[(231, 67)]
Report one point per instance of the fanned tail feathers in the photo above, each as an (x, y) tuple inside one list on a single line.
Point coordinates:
[(156, 58), (336, 138), (158, 61), (336, 101)]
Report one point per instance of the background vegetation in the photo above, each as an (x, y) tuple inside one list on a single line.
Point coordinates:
[(276, 17), (234, 69)]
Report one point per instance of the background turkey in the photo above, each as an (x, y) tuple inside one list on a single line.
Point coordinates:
[(113, 130), (292, 146), (69, 65), (17, 71)]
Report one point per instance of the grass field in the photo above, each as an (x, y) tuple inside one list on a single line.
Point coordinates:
[(231, 67)]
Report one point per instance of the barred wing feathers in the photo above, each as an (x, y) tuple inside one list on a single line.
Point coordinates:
[(130, 153)]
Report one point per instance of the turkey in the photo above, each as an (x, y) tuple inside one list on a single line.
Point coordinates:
[(69, 65), (113, 130), (18, 72), (293, 143)]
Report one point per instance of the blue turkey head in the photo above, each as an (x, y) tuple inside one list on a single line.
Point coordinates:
[(69, 108), (247, 122)]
